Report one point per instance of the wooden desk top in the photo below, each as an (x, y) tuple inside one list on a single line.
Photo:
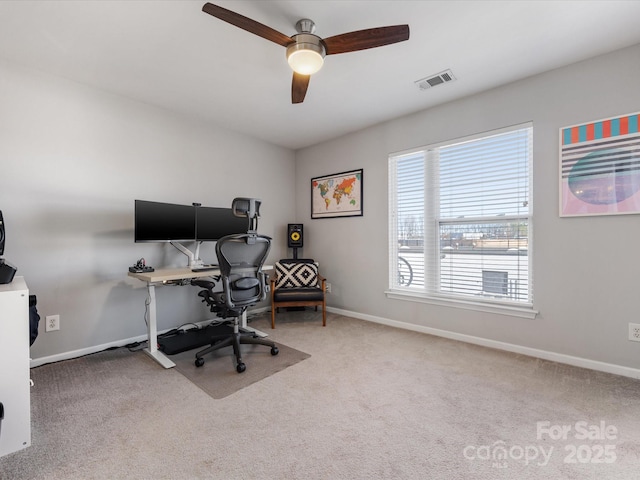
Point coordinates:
[(167, 274)]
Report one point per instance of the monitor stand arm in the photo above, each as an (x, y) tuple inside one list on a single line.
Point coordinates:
[(194, 257)]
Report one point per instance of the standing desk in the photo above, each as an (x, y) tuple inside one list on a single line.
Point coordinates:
[(161, 277)]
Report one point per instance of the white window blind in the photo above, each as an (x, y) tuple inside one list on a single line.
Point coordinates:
[(460, 219)]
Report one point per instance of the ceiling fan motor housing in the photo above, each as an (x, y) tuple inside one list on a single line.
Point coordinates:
[(304, 25), (306, 44)]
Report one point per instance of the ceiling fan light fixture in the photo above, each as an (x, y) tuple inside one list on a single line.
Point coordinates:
[(306, 56), (306, 51)]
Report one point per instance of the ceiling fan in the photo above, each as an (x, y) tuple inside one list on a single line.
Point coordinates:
[(306, 51)]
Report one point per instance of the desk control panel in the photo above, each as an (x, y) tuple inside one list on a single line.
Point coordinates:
[(136, 269)]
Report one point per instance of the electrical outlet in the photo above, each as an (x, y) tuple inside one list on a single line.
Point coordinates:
[(52, 322), (327, 287), (634, 332)]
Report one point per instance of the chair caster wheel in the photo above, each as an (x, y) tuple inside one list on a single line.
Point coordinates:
[(199, 362), (241, 367), (274, 350)]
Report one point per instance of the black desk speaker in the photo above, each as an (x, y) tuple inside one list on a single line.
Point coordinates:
[(294, 235)]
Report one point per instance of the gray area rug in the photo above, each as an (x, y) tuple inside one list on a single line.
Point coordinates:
[(218, 376)]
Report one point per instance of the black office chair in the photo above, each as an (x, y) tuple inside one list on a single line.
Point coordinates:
[(240, 258)]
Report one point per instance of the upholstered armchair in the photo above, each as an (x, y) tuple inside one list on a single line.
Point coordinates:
[(297, 283)]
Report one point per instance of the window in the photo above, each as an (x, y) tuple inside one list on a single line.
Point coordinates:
[(460, 222)]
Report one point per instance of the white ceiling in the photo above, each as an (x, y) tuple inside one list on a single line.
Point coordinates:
[(171, 54)]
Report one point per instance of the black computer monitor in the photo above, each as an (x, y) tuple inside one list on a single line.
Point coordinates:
[(215, 223), (164, 222)]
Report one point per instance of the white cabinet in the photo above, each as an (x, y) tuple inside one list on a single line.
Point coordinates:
[(15, 427)]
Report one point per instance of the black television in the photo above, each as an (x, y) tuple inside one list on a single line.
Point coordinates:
[(163, 222)]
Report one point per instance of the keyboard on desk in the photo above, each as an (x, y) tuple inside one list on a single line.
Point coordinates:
[(205, 268)]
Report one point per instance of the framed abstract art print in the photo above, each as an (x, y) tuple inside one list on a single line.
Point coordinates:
[(600, 167)]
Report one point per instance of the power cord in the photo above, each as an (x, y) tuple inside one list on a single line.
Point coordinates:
[(178, 330)]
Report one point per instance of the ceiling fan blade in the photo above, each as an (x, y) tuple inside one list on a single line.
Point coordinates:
[(247, 24), (363, 39), (299, 87)]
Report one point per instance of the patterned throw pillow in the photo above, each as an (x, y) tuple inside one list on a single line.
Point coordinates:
[(294, 275)]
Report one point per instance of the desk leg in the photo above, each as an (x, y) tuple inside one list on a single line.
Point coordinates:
[(152, 329)]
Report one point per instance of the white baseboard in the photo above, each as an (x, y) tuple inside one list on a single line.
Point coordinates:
[(36, 362), (509, 347)]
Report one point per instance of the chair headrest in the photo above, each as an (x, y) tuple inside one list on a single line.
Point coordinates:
[(246, 207)]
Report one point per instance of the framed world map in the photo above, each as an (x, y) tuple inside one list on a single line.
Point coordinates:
[(337, 195)]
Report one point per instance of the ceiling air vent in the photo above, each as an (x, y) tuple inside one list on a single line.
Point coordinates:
[(435, 80)]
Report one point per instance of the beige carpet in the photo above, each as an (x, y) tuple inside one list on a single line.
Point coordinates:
[(218, 376), (371, 402)]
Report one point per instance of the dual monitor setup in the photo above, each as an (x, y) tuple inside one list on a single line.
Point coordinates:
[(178, 224)]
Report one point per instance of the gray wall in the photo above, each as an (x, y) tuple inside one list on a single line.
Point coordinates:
[(586, 279), (73, 159)]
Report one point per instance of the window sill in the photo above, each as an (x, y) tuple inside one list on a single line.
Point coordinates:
[(524, 311)]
